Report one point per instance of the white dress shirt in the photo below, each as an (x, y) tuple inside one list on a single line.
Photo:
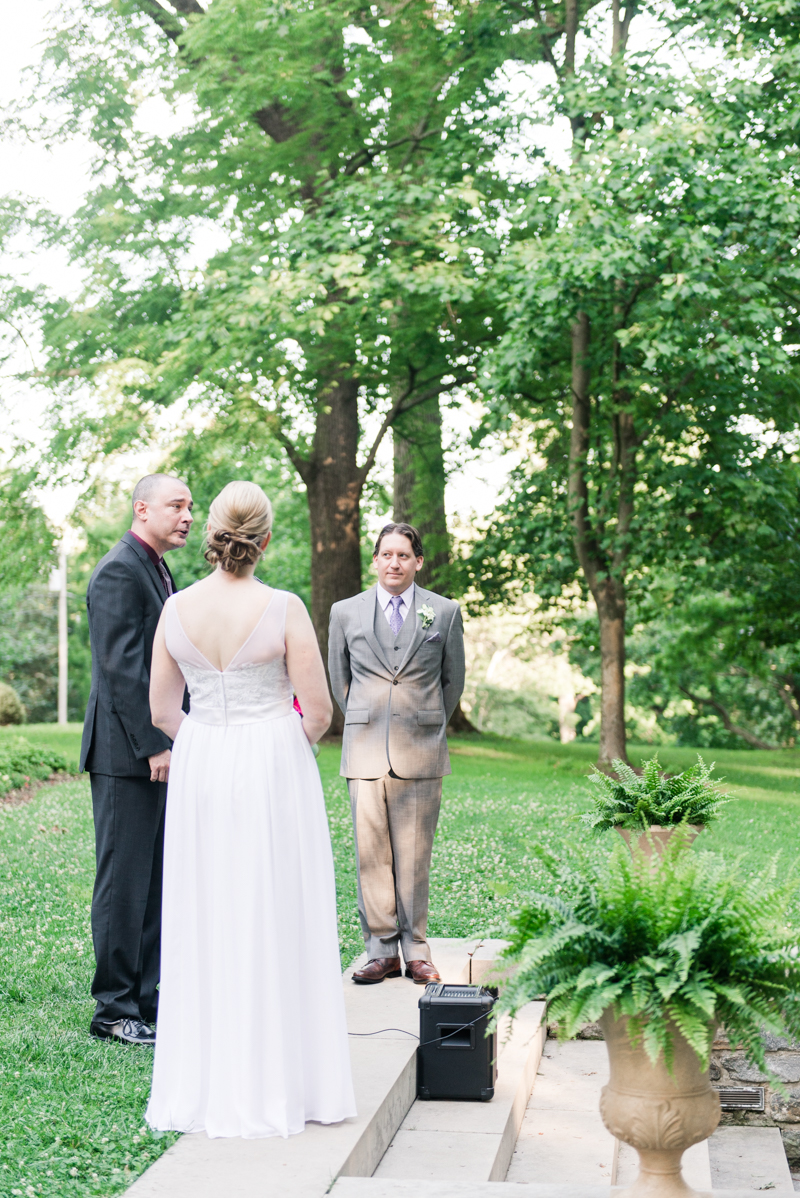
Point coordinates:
[(385, 600)]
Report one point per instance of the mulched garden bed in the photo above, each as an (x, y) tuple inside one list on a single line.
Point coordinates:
[(21, 794)]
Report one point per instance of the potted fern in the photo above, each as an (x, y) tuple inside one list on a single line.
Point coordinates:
[(652, 806), (660, 958)]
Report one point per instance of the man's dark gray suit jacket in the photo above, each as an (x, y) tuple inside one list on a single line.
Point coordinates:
[(124, 602)]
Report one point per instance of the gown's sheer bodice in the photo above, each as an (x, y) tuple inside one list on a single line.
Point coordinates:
[(253, 687)]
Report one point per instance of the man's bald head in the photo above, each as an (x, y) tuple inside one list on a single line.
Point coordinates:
[(162, 512), (147, 487)]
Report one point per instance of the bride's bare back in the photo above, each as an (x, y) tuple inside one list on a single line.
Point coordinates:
[(219, 615)]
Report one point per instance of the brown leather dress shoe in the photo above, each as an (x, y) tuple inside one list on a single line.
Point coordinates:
[(378, 969), (422, 972)]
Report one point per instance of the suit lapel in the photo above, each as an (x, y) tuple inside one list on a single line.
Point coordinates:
[(366, 610), (420, 597), (149, 568)]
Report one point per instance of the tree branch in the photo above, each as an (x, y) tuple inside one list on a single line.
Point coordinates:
[(404, 404), (367, 153), (165, 20), (736, 729), (275, 123), (572, 20), (304, 467), (587, 549), (674, 393), (784, 685), (553, 33)]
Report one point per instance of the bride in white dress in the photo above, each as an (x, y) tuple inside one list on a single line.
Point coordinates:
[(251, 1038)]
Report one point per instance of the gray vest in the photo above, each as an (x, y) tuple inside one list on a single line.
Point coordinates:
[(393, 646)]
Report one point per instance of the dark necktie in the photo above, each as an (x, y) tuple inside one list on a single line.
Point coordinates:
[(165, 578), (395, 619)]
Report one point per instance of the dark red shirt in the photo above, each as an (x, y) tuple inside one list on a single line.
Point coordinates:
[(149, 550), (157, 561)]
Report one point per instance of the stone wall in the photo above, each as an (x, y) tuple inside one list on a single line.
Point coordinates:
[(730, 1067)]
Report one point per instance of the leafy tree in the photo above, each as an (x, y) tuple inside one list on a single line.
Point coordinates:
[(29, 648), (419, 488), (419, 499), (697, 651), (653, 291), (331, 155), (26, 535)]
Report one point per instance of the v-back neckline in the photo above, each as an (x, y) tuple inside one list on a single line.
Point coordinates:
[(241, 648)]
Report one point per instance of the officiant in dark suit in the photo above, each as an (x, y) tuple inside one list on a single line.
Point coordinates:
[(128, 760)]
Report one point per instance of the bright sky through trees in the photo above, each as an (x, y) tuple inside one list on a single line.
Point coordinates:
[(59, 178)]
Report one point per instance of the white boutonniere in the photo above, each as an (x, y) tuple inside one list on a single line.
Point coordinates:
[(426, 614)]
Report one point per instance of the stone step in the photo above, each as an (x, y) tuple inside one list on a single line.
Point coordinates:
[(562, 1138), (695, 1166), (561, 1141), (440, 1140), (375, 1187), (750, 1157), (304, 1166)]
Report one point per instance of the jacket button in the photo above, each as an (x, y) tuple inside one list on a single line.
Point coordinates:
[(394, 682)]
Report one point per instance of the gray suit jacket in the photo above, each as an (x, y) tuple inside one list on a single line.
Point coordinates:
[(124, 603), (396, 719)]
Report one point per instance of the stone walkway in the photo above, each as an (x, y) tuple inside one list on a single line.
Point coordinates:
[(540, 1137)]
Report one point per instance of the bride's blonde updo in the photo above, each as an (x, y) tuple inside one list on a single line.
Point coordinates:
[(238, 520)]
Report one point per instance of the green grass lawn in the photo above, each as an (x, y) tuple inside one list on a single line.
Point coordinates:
[(71, 1108)]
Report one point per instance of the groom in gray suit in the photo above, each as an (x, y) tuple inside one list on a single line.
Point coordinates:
[(396, 662)]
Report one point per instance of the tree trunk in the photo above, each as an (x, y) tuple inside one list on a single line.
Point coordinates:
[(419, 484), (333, 483), (606, 584), (611, 614)]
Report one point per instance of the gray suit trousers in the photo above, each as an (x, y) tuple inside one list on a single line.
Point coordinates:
[(394, 820)]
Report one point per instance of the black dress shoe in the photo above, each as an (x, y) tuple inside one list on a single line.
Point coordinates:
[(126, 1031)]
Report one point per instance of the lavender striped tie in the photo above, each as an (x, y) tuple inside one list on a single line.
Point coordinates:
[(395, 619)]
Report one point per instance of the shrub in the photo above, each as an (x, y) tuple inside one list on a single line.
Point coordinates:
[(636, 803), (691, 944), (22, 762), (11, 708)]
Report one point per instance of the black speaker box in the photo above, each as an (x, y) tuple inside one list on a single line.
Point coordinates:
[(455, 1058)]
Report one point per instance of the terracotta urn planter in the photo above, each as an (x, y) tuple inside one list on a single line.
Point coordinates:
[(658, 1113), (658, 838)]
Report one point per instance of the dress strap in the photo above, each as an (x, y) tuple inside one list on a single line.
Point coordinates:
[(279, 609), (178, 644)]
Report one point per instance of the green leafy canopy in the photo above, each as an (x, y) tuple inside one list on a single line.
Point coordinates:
[(690, 945), (654, 799)]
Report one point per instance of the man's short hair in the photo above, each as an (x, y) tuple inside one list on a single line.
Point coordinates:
[(402, 530), (146, 487)]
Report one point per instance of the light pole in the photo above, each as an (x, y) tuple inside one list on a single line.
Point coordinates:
[(58, 582)]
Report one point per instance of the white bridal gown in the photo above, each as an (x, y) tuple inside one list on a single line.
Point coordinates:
[(251, 1037)]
